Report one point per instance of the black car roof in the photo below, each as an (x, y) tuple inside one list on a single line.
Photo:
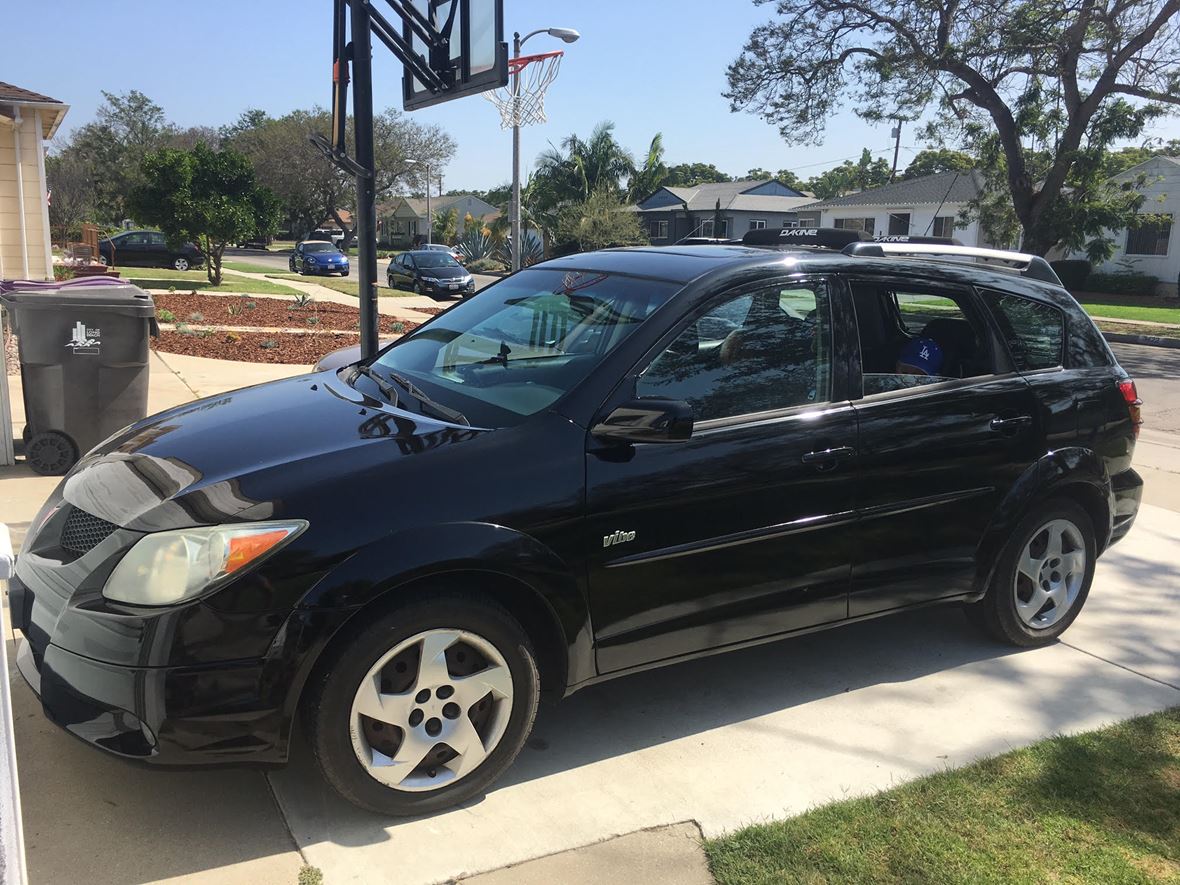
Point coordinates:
[(683, 264)]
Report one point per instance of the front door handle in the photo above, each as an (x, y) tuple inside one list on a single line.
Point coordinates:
[(1007, 425), (826, 459)]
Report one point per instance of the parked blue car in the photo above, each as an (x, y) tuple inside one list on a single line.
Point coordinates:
[(318, 257)]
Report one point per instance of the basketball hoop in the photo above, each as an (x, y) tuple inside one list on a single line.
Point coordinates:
[(527, 106)]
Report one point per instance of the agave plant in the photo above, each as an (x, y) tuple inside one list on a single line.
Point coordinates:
[(475, 244), (531, 251)]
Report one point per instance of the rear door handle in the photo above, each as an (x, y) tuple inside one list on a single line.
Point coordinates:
[(1005, 425), (825, 459)]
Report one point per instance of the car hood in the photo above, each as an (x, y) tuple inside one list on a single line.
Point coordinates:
[(334, 256), (443, 273), (271, 451)]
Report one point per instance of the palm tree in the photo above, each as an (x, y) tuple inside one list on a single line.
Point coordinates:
[(647, 179)]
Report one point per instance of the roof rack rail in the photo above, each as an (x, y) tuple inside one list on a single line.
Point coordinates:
[(1032, 266), (827, 237)]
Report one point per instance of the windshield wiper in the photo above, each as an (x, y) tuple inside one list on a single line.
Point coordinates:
[(439, 410), (387, 390)]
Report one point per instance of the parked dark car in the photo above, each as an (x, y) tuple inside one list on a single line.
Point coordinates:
[(602, 463), (318, 257), (148, 248), (429, 272), (453, 251)]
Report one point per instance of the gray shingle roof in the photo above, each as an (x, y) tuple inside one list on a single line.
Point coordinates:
[(8, 92), (733, 197), (949, 187)]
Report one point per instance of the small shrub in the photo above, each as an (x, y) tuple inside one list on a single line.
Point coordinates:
[(1122, 283), (397, 328), (303, 301), (233, 337), (1073, 272), (62, 273), (268, 344), (204, 333), (196, 317), (485, 265), (172, 290), (312, 320), (184, 329), (192, 292), (164, 315), (250, 305), (234, 308)]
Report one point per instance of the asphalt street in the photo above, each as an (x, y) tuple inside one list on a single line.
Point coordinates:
[(1156, 371)]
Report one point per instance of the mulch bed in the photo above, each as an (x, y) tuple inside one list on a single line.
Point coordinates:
[(247, 347), (279, 313)]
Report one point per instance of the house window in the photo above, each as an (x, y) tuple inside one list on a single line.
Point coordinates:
[(866, 224), (659, 230), (899, 223), (1150, 239), (758, 224), (944, 226), (790, 222), (707, 228)]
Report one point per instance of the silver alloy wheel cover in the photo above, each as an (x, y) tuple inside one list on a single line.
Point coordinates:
[(1056, 574), (460, 734), (180, 264)]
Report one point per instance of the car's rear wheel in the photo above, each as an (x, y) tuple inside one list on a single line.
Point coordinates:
[(1042, 577), (180, 263), (424, 707)]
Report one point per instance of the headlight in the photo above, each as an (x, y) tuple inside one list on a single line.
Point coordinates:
[(165, 568), (427, 279), (309, 260)]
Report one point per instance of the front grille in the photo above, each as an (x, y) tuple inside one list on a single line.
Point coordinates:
[(83, 532)]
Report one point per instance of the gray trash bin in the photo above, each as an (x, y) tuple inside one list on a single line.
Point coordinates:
[(84, 367)]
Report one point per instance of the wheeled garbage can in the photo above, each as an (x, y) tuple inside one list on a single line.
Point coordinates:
[(84, 366)]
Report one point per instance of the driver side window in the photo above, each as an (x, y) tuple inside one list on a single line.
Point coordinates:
[(755, 352)]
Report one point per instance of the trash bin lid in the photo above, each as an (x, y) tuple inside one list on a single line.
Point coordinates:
[(123, 297)]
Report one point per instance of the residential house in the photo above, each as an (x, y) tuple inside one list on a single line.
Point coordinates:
[(672, 213), (928, 206), (1152, 249), (401, 222), (27, 121)]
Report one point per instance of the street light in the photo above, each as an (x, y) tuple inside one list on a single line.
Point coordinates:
[(567, 35)]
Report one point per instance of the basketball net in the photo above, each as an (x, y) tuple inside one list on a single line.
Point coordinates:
[(527, 105)]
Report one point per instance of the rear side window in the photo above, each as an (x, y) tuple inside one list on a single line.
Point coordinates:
[(1035, 332)]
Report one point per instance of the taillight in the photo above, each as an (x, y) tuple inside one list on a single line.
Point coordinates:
[(1134, 404)]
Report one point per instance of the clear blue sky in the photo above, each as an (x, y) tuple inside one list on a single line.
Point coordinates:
[(648, 65)]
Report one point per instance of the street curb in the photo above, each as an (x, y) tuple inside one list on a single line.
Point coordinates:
[(1148, 340)]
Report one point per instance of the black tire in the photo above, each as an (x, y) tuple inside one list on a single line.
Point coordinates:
[(181, 263), (51, 453), (328, 704), (996, 614), (389, 281)]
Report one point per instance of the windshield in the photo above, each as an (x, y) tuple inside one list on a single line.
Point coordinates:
[(434, 259), (523, 343), (318, 247)]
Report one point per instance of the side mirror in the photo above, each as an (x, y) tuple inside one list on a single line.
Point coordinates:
[(647, 421)]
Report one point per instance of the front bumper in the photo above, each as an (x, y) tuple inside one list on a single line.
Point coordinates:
[(446, 287), (326, 269)]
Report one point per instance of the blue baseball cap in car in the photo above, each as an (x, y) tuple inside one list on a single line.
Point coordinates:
[(923, 355)]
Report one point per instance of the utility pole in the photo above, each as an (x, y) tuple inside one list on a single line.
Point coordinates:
[(896, 133), (429, 217)]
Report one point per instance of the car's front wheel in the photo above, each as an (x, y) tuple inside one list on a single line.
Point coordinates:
[(180, 263), (424, 707), (1042, 577)]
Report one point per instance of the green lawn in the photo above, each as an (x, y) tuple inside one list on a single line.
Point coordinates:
[(1118, 308), (347, 285), (186, 280), (247, 267), (1101, 807)]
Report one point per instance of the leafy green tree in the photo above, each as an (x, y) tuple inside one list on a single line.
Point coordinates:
[(791, 180), (647, 179), (850, 177), (582, 166), (758, 174), (1065, 81), (692, 174), (209, 197), (72, 184), (1123, 159), (112, 147), (598, 222), (931, 162)]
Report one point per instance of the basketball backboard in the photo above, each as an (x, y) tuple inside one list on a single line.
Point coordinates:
[(469, 55)]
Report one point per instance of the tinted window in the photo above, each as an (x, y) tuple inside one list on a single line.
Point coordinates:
[(156, 239), (435, 259), (755, 352), (318, 247), (524, 342), (1034, 331)]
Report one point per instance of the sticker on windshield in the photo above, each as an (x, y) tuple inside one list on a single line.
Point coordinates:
[(85, 341)]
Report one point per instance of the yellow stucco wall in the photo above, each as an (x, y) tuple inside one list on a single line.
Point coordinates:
[(23, 251)]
